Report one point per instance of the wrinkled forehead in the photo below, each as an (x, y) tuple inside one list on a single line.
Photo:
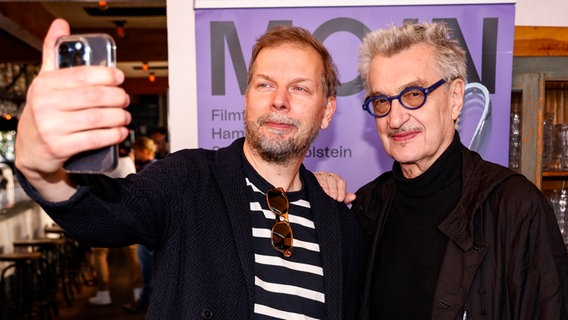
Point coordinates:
[(412, 67)]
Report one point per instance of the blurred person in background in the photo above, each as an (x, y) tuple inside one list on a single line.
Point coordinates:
[(144, 152), (160, 138)]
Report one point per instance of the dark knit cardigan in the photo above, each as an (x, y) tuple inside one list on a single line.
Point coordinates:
[(192, 208)]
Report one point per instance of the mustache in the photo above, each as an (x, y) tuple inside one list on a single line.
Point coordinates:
[(278, 118), (392, 132)]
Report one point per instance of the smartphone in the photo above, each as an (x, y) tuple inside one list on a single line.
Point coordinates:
[(96, 49)]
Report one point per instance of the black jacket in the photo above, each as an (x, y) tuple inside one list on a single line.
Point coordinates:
[(192, 208), (505, 258)]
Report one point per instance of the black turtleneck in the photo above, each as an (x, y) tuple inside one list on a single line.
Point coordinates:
[(411, 248)]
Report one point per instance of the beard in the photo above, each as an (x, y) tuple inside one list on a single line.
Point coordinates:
[(279, 148)]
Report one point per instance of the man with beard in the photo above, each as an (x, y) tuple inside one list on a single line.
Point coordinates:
[(238, 233)]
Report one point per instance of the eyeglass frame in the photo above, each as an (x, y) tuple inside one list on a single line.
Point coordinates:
[(425, 91), (287, 252)]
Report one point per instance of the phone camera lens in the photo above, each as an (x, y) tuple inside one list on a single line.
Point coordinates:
[(63, 49), (78, 58)]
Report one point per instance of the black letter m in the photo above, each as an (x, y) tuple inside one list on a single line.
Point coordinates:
[(221, 30)]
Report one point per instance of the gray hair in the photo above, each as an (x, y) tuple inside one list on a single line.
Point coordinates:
[(450, 57)]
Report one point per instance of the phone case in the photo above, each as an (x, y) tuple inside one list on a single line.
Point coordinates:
[(88, 50)]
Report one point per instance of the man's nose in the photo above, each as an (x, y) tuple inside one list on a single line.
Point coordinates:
[(281, 99), (398, 114)]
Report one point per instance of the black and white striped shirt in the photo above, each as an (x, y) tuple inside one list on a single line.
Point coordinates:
[(285, 288)]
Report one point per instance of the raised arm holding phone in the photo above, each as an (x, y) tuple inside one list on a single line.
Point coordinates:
[(67, 111)]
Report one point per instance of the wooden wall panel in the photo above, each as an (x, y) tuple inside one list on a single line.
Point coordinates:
[(540, 41)]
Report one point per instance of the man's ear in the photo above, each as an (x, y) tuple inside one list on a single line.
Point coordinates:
[(330, 107), (457, 91)]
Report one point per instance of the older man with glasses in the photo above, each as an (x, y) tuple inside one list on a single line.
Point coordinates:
[(447, 235)]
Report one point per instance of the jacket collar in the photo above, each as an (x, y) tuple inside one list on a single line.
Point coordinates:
[(479, 178)]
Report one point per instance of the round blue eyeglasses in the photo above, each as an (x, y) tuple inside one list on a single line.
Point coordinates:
[(411, 98)]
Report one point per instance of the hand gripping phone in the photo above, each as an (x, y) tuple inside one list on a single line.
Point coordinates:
[(88, 50)]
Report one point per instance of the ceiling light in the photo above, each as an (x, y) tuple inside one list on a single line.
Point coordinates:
[(120, 28), (103, 5)]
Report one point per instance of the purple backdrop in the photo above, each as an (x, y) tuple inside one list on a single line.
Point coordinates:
[(351, 146)]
